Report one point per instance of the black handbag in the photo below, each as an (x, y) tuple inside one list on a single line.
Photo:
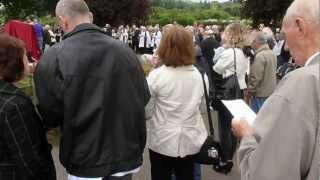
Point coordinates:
[(229, 88), (210, 150)]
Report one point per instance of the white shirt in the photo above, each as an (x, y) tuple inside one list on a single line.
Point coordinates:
[(311, 58), (218, 53), (225, 65), (277, 47), (175, 126), (120, 174)]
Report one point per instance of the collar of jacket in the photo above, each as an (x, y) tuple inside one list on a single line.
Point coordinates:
[(314, 60), (8, 88), (263, 48), (81, 28)]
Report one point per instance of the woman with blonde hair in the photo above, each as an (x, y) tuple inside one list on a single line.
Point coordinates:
[(232, 62), (175, 127), (233, 38)]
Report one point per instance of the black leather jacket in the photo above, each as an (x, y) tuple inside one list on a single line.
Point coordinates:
[(95, 89)]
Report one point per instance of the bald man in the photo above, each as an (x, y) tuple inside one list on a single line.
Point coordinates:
[(284, 142), (94, 88)]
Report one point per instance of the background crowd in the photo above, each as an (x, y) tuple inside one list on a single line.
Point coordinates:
[(89, 82)]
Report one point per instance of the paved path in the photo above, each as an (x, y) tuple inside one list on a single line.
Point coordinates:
[(144, 174)]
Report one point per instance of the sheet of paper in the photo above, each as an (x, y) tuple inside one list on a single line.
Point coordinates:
[(239, 109)]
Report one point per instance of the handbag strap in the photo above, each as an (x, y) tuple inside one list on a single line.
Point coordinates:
[(235, 73), (207, 105), (235, 61)]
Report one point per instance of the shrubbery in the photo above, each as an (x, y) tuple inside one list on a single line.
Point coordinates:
[(50, 20), (183, 12), (188, 16)]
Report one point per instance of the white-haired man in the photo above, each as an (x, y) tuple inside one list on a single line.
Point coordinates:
[(94, 88), (283, 143), (262, 78)]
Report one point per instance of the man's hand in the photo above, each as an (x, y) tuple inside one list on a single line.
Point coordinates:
[(241, 128), (247, 96), (248, 93), (32, 67)]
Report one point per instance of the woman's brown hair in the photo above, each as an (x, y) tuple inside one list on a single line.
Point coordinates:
[(12, 52), (176, 47)]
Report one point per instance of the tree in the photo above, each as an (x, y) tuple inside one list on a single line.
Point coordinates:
[(232, 8), (165, 16), (116, 12), (20, 9), (269, 12)]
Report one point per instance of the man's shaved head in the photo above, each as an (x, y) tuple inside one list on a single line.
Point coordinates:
[(71, 13), (72, 8)]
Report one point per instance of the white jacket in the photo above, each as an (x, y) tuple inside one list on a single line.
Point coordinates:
[(175, 126), (225, 65)]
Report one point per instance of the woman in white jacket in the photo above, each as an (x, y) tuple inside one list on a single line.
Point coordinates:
[(175, 128), (233, 39)]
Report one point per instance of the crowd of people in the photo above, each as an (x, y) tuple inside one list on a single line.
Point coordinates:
[(90, 83)]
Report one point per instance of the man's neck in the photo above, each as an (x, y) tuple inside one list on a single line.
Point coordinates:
[(311, 51), (76, 22)]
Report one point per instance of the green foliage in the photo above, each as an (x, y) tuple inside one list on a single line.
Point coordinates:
[(2, 20), (180, 4), (117, 12), (234, 9), (193, 12), (50, 20), (20, 9), (269, 12), (2, 17)]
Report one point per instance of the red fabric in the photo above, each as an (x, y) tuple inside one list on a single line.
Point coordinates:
[(26, 33)]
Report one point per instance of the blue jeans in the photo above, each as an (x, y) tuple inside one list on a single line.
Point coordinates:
[(196, 172), (257, 102)]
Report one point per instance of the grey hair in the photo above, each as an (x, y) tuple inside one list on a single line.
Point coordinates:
[(261, 38), (72, 8), (309, 9)]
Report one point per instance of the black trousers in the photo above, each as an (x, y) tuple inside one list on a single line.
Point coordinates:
[(127, 177), (162, 167), (135, 46), (228, 141)]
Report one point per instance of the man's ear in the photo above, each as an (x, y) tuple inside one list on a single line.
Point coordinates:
[(91, 17), (62, 21), (301, 26)]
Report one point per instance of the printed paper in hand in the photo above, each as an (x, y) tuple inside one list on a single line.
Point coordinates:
[(239, 109)]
